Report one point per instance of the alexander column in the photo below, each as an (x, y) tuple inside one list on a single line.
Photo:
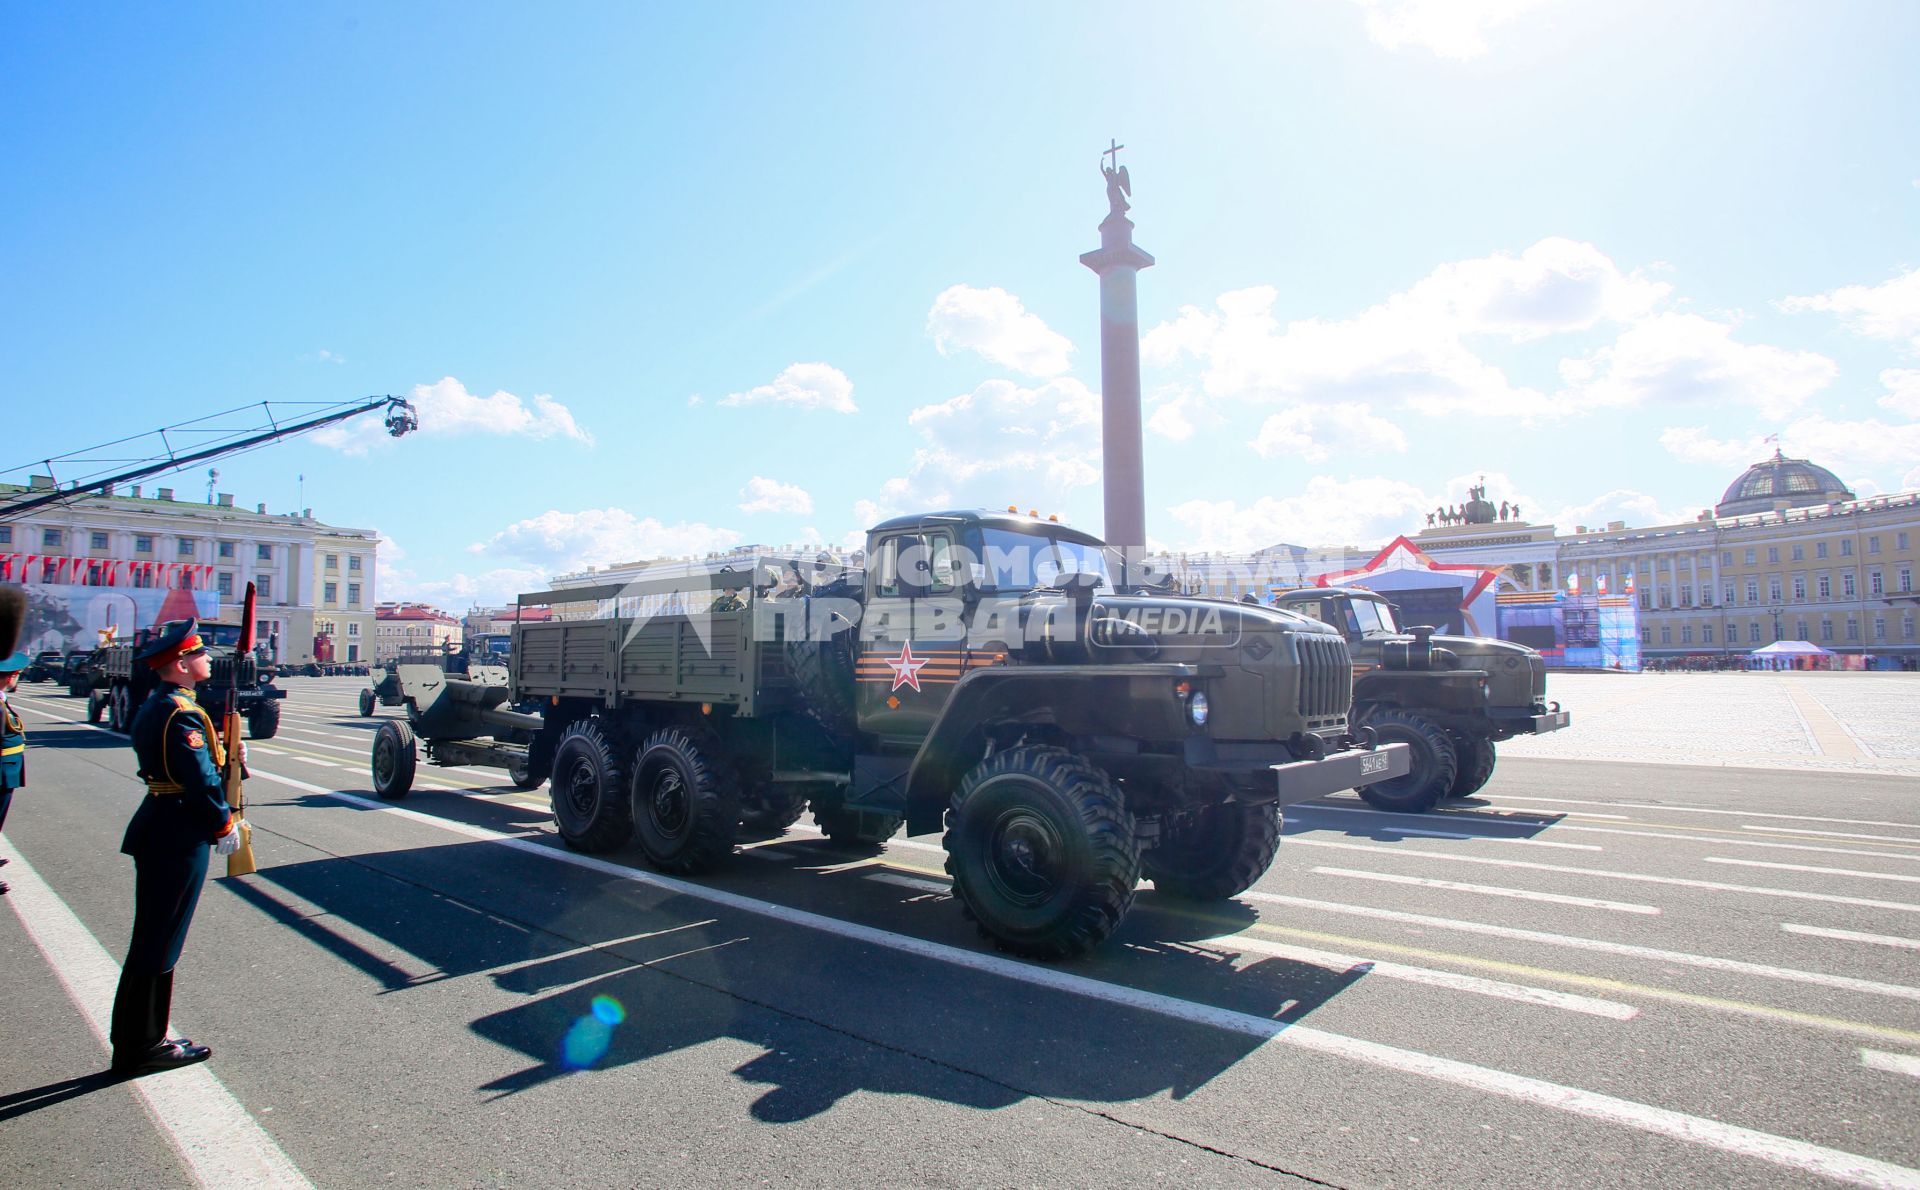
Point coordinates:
[(1117, 260)]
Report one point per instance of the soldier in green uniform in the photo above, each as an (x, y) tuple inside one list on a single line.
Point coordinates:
[(13, 741), (183, 817)]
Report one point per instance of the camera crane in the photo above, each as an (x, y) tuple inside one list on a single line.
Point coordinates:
[(401, 419)]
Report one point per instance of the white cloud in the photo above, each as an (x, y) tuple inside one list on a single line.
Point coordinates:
[(804, 386), (1637, 509), (1448, 28), (1313, 434), (1352, 512), (323, 356), (446, 407), (564, 541), (1411, 348), (1890, 310), (770, 495), (1862, 453), (1903, 392), (1000, 444), (993, 323), (1673, 359), (454, 594), (1692, 444)]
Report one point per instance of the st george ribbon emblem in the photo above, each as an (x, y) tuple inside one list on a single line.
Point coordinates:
[(906, 667)]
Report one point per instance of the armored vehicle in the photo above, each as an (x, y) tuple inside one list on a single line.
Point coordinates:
[(1448, 698), (985, 672), (121, 684), (44, 667)]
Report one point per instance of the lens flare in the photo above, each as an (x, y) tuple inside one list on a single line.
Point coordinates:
[(589, 1037)]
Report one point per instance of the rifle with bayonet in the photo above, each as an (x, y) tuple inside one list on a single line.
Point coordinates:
[(240, 860)]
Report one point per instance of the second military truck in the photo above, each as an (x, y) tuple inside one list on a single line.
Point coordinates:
[(994, 674), (1448, 698)]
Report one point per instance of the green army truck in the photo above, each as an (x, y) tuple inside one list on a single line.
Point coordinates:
[(1448, 698), (984, 673), (120, 684)]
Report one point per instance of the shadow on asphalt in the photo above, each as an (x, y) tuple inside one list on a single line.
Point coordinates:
[(1472, 817), (21, 1103), (610, 973)]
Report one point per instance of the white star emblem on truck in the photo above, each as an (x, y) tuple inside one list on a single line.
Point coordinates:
[(906, 667)]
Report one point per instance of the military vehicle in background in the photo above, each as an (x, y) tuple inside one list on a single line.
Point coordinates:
[(987, 673), (43, 667), (120, 684), (478, 650), (1448, 698), (76, 673)]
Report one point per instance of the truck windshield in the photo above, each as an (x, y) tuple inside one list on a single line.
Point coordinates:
[(223, 635), (1373, 617), (1013, 560)]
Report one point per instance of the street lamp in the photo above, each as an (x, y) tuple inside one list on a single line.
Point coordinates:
[(1775, 611)]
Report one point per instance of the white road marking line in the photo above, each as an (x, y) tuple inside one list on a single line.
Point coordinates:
[(265, 749), (1491, 890), (1535, 816), (1508, 797), (1905, 1064), (221, 1144), (1760, 863), (913, 882), (1411, 830), (1598, 946), (1640, 877), (1693, 1130), (1852, 936), (1789, 830), (1609, 830), (1498, 989)]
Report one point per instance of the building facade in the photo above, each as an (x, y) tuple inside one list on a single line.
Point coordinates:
[(414, 629), (117, 562)]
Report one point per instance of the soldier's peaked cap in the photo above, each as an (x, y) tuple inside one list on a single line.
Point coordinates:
[(15, 663), (178, 639)]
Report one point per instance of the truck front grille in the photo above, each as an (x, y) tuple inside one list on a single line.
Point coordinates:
[(1326, 675)]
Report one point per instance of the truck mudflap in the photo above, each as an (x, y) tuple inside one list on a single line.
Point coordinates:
[(1527, 723), (1304, 780)]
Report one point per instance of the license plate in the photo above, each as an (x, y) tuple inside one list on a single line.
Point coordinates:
[(1370, 765)]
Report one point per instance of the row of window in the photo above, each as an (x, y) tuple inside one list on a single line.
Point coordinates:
[(1797, 552), (1823, 587), (185, 547), (1852, 631)]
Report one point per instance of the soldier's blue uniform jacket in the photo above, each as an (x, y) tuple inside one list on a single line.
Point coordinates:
[(13, 749), (179, 756)]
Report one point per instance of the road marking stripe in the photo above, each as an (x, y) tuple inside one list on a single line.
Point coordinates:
[(1695, 1130), (1504, 818), (1677, 881), (1852, 936), (1410, 830), (1760, 863), (1905, 1064), (1452, 981), (1720, 839), (1575, 942), (913, 882), (1838, 834), (1491, 890), (221, 1144), (1509, 797)]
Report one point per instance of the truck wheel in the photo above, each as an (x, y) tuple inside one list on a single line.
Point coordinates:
[(686, 800), (589, 790), (1430, 776), (96, 707), (1218, 853), (823, 673), (366, 703), (118, 717), (1042, 852), (264, 723), (767, 812), (1476, 764), (395, 757)]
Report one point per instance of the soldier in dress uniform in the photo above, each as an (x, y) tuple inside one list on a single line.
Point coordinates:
[(183, 816), (13, 740)]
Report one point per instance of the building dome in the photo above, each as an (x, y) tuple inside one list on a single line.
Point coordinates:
[(1781, 481)]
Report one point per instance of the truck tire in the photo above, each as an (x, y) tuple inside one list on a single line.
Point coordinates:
[(1434, 764), (686, 800), (1042, 852), (264, 722), (1476, 760), (96, 706), (823, 673), (366, 703), (1217, 853), (119, 714), (78, 689), (589, 790), (395, 756), (767, 812)]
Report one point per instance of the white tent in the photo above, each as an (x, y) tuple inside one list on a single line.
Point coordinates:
[(1792, 648)]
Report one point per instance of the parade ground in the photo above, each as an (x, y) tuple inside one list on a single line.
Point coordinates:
[(1677, 944)]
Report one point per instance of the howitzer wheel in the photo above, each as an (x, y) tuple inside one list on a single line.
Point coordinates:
[(1042, 852), (589, 790), (686, 800), (1434, 763), (521, 773), (366, 703), (1476, 763), (264, 723), (1217, 853), (767, 812), (856, 828), (96, 706), (395, 756)]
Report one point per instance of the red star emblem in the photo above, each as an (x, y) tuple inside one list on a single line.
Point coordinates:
[(906, 667)]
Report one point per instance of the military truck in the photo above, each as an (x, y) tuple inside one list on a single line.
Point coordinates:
[(1002, 676), (1448, 698), (121, 684), (479, 649)]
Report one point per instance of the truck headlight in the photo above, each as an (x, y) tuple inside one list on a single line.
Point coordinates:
[(1197, 708)]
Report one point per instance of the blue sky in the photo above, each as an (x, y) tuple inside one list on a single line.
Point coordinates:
[(671, 279)]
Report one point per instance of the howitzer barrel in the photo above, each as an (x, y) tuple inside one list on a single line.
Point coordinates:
[(446, 706)]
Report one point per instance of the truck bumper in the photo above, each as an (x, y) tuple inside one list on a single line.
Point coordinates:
[(1304, 780), (1524, 723)]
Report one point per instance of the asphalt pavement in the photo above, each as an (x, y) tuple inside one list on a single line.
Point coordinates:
[(1678, 943)]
